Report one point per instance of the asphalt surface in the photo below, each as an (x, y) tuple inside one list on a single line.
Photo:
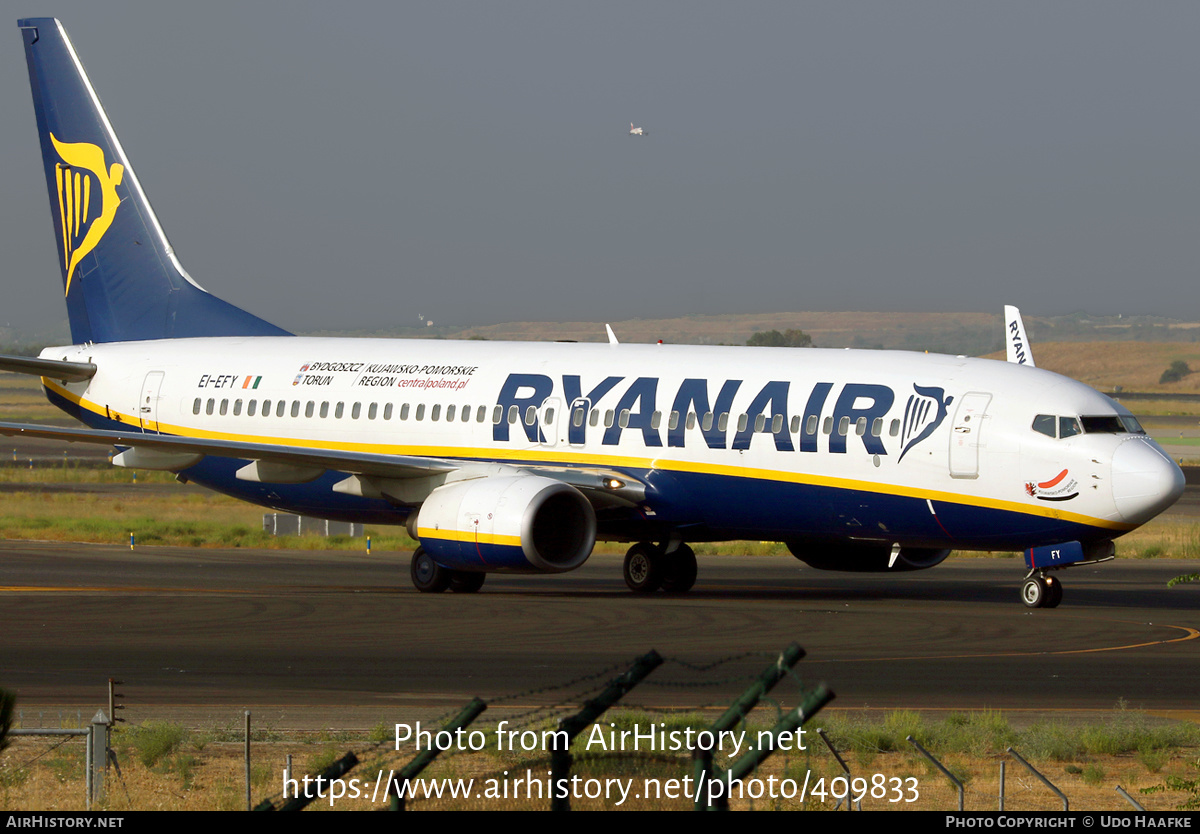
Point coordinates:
[(320, 636)]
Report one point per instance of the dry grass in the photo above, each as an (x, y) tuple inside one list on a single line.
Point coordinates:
[(1135, 366), (213, 778)]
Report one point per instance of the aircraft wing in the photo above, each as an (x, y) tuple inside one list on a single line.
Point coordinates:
[(281, 463), (366, 463)]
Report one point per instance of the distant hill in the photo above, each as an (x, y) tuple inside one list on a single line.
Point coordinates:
[(972, 334)]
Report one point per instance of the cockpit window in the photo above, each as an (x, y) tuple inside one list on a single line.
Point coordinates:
[(1103, 424), (1046, 424), (1060, 427), (1068, 427), (1131, 424)]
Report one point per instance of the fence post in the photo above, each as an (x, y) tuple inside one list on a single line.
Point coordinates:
[(1043, 779), (810, 706), (842, 763), (422, 760), (99, 753), (940, 767), (703, 768), (561, 760)]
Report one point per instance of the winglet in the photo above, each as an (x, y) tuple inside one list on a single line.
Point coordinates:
[(612, 337), (1016, 342)]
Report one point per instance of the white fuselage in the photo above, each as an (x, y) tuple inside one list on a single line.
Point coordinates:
[(850, 429)]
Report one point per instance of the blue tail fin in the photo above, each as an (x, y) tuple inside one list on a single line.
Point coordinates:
[(121, 278)]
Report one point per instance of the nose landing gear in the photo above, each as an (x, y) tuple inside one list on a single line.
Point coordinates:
[(1041, 590)]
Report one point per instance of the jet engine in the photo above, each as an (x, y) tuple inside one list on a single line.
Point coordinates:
[(516, 523), (864, 558)]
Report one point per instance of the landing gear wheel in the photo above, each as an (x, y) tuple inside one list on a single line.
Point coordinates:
[(1034, 592), (427, 575), (1054, 592), (466, 582), (643, 568), (679, 570)]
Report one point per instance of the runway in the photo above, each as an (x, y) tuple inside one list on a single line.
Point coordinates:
[(315, 632)]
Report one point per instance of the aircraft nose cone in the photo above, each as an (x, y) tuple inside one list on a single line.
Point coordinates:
[(1145, 481)]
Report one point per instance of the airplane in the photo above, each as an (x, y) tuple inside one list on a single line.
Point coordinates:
[(519, 457), (637, 131)]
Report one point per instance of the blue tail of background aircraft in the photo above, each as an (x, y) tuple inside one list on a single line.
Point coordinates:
[(121, 278)]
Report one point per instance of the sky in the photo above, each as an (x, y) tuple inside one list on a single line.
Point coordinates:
[(361, 165)]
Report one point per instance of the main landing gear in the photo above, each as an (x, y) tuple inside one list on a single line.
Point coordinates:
[(1041, 590), (649, 567), (431, 578)]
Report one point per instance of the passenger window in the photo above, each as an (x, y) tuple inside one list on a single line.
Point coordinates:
[(827, 427), (894, 428), (577, 418), (860, 426), (266, 412), (387, 411), (252, 408), (196, 406), (594, 419), (404, 412), (372, 411), (310, 408), (420, 415), (237, 407), (224, 407), (706, 421), (480, 413), (810, 425), (212, 404), (691, 420), (295, 408), (339, 410), (280, 407), (608, 418), (549, 416), (1044, 424), (877, 427), (324, 410), (530, 415), (497, 414), (723, 421), (514, 414), (466, 413), (656, 419), (673, 421), (450, 409), (795, 427), (844, 426), (356, 411), (624, 419)]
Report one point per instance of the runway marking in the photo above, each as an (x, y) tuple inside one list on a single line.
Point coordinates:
[(129, 589), (1189, 634)]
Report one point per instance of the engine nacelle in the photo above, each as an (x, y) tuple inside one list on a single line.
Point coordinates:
[(864, 558), (519, 523)]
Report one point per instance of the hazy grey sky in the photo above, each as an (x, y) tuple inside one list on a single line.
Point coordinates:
[(356, 164)]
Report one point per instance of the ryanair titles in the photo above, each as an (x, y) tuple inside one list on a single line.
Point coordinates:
[(699, 405)]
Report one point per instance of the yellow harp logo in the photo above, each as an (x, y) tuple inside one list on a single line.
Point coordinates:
[(82, 225)]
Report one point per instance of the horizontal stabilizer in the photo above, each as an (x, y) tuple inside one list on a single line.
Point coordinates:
[(53, 368)]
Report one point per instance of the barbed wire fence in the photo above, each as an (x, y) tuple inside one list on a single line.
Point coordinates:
[(592, 743)]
